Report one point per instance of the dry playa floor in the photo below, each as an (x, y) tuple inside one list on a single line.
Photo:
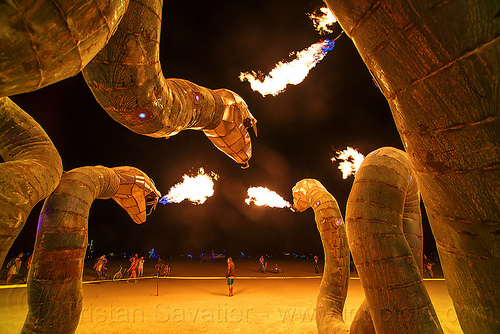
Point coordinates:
[(194, 300)]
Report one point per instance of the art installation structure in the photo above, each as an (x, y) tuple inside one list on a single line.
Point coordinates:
[(438, 65), (384, 234), (31, 60), (81, 29), (441, 81), (31, 170), (55, 293), (127, 80), (43, 42)]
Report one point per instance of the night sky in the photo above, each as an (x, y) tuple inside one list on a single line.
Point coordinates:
[(299, 131)]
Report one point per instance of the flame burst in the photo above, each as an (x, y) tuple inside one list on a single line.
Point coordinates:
[(195, 189), (262, 196), (349, 161), (323, 20), (292, 72)]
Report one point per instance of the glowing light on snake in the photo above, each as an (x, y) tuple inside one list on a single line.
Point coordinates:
[(262, 196), (349, 161), (285, 73), (196, 189)]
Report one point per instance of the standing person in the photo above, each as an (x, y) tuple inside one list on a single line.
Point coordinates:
[(262, 264), (230, 275), (99, 263), (28, 265), (133, 271), (104, 266), (14, 266), (316, 268), (140, 266)]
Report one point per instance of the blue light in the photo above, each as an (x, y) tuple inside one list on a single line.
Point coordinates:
[(164, 200), (328, 46), (142, 115)]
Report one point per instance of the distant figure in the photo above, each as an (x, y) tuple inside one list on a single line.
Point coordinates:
[(276, 269), (160, 267), (133, 268), (428, 267), (134, 259), (316, 268), (262, 263), (28, 265), (230, 275), (104, 267), (140, 266), (99, 266), (14, 266), (167, 270)]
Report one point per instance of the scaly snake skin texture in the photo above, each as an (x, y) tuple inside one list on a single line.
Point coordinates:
[(55, 278), (437, 63), (126, 78), (381, 223)]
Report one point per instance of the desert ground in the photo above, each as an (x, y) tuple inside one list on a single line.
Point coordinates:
[(194, 300)]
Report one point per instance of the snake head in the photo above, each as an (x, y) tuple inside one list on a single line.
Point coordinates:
[(231, 135), (300, 192), (136, 193)]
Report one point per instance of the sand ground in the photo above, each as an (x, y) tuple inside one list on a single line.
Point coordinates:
[(194, 300)]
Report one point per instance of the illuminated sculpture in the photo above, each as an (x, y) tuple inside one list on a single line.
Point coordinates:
[(55, 277), (48, 42), (31, 170), (438, 65), (384, 233), (160, 107), (127, 80)]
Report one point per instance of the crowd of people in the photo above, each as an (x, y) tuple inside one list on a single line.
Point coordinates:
[(133, 271), (17, 268)]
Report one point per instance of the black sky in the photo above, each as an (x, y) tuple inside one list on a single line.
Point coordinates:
[(299, 130)]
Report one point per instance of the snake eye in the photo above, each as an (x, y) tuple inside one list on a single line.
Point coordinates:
[(247, 122)]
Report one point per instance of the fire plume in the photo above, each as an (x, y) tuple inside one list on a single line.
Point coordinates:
[(323, 20), (349, 161), (262, 196), (293, 72), (195, 189)]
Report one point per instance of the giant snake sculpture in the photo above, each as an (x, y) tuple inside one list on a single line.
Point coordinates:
[(29, 60), (161, 108), (55, 278), (436, 62), (438, 65), (383, 230)]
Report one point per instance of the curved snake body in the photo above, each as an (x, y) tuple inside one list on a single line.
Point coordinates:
[(382, 221), (55, 276), (31, 170), (127, 80), (43, 42)]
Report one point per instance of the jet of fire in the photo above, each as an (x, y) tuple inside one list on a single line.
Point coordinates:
[(323, 20), (349, 161), (292, 72), (262, 196), (195, 189)]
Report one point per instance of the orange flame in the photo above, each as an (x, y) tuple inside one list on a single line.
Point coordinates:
[(349, 161), (195, 189), (323, 20), (262, 196), (293, 72)]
